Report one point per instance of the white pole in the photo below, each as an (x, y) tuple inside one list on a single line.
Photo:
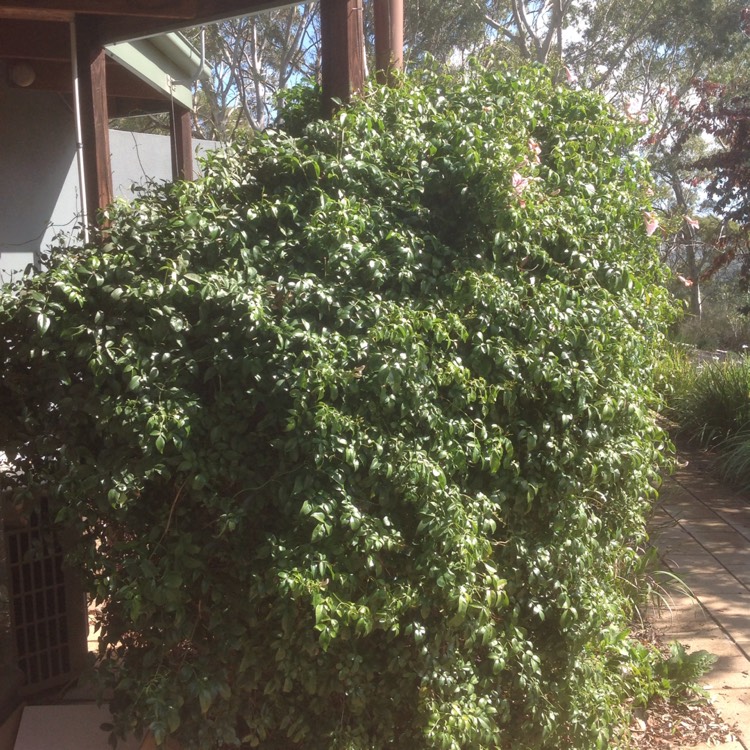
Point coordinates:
[(79, 129)]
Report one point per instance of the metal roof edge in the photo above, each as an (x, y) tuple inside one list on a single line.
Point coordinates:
[(168, 63), (176, 46)]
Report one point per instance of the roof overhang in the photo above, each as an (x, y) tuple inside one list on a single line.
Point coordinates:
[(110, 56), (168, 63), (150, 65), (125, 20), (144, 75)]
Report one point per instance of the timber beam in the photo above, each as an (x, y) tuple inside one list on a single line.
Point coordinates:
[(342, 39), (180, 9), (181, 122), (92, 95), (34, 40), (121, 83), (207, 11), (389, 38)]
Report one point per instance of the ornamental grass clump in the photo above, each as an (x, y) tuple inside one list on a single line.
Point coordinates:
[(354, 430), (710, 401)]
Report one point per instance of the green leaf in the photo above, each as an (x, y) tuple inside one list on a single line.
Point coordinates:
[(205, 699), (43, 323)]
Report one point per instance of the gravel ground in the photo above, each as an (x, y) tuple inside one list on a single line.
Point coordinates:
[(669, 726)]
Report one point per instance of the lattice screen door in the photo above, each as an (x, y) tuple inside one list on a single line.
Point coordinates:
[(47, 608)]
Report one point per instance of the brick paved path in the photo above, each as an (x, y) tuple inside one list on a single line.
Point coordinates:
[(702, 531)]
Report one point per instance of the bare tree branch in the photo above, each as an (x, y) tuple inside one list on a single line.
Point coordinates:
[(497, 26), (554, 31), (525, 28)]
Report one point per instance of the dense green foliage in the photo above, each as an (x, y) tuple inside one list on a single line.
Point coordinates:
[(355, 429)]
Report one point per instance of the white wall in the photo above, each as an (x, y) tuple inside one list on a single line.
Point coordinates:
[(38, 186), (39, 193), (140, 158)]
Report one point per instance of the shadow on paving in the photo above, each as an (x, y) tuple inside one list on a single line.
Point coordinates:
[(702, 531)]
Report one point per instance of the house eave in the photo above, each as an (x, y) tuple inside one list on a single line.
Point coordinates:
[(167, 63)]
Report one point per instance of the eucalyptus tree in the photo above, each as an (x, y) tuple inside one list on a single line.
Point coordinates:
[(642, 55), (252, 60), (640, 50), (696, 42)]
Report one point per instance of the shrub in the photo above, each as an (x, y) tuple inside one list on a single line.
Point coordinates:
[(722, 326), (355, 429), (709, 400), (675, 377), (723, 323)]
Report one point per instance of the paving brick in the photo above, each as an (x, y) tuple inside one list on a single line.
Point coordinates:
[(707, 545)]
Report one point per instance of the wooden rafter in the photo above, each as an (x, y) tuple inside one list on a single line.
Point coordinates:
[(207, 11), (121, 20), (24, 14), (34, 40), (121, 83), (184, 9)]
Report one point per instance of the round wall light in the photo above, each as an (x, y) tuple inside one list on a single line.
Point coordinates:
[(22, 74)]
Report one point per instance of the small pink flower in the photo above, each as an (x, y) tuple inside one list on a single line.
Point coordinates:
[(520, 183), (686, 282), (535, 149), (570, 75), (694, 223), (652, 223)]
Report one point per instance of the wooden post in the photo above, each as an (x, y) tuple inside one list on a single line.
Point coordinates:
[(342, 40), (12, 676), (182, 143), (92, 83), (389, 38)]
